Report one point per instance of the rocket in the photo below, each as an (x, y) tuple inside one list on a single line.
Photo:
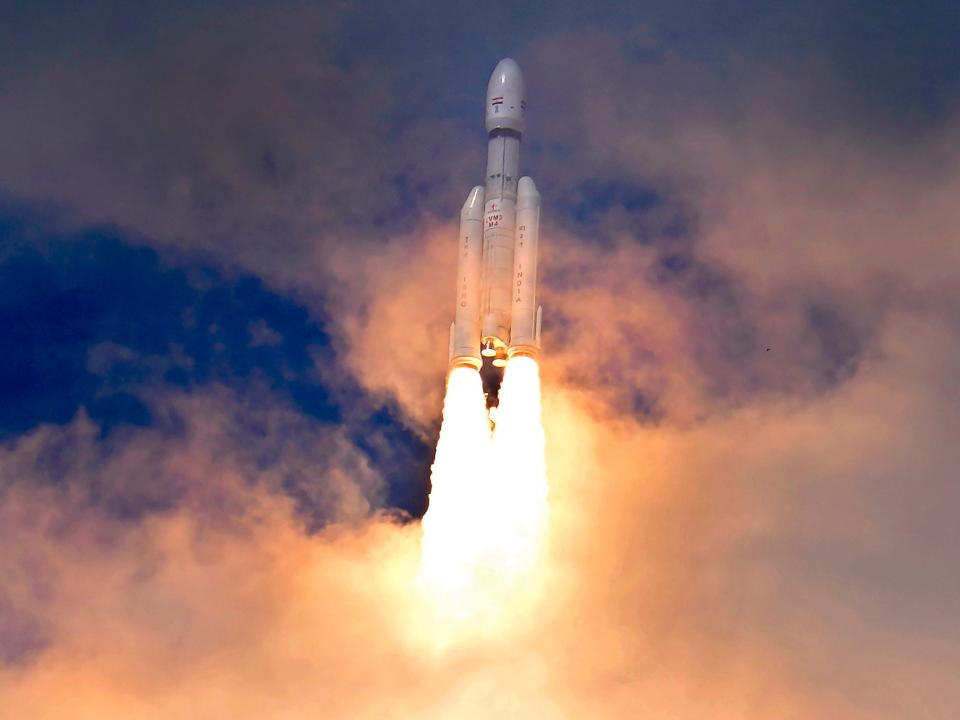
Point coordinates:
[(497, 316)]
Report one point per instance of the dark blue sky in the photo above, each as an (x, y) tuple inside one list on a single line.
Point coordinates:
[(93, 321)]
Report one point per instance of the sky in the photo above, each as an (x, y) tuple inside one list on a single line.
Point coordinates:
[(226, 281)]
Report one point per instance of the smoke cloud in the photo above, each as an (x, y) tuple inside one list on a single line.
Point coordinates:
[(751, 321)]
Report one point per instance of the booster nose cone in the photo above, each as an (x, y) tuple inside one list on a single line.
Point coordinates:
[(506, 98), (473, 206)]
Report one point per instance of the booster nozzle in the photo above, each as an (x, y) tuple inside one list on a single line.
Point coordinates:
[(530, 351), (465, 361)]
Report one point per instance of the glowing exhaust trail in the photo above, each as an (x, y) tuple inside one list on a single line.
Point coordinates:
[(486, 525), (453, 523), (518, 453)]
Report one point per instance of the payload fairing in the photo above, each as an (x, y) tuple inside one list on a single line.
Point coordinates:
[(497, 314)]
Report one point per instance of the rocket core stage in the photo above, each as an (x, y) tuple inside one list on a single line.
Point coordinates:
[(497, 314)]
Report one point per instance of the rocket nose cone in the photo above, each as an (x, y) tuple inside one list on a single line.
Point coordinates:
[(526, 186), (505, 75), (507, 66), (473, 206), (506, 103)]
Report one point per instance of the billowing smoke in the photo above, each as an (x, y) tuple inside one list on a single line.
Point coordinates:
[(749, 403)]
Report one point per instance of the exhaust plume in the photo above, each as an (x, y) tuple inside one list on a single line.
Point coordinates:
[(485, 527)]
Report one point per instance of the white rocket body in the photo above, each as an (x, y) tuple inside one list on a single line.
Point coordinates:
[(497, 314), (465, 331), (525, 318)]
